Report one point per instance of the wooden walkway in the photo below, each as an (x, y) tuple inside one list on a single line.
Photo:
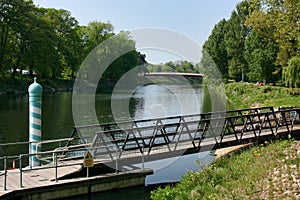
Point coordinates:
[(36, 177)]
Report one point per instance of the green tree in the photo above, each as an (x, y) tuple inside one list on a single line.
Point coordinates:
[(63, 25), (216, 47), (278, 20), (96, 32), (291, 73), (74, 52), (235, 41), (260, 54), (14, 16)]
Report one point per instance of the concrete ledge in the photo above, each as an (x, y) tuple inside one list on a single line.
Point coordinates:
[(80, 186)]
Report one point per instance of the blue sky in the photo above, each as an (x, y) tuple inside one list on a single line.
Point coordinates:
[(192, 18)]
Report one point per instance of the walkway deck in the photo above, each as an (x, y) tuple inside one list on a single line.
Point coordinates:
[(38, 184), (36, 177)]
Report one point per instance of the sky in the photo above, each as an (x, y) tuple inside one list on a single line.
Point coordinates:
[(194, 19)]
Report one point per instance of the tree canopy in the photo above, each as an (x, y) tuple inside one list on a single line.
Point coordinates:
[(257, 42), (51, 43)]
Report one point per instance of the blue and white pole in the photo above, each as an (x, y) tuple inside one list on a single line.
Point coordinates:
[(35, 121)]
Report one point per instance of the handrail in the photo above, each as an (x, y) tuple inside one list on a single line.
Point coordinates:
[(170, 117), (55, 161), (49, 141), (30, 142)]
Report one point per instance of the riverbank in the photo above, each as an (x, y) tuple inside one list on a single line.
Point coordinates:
[(267, 171), (247, 95), (19, 85)]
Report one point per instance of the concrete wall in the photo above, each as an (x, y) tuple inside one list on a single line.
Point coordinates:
[(80, 186)]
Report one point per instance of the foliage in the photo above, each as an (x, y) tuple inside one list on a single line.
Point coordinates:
[(260, 54), (242, 176), (291, 73), (50, 42), (215, 47), (256, 42), (235, 41), (179, 66), (279, 21)]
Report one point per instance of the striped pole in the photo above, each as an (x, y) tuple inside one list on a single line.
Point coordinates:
[(35, 112)]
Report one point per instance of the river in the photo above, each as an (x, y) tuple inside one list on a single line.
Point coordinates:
[(150, 101)]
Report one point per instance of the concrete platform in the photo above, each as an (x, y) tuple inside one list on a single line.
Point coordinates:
[(49, 189)]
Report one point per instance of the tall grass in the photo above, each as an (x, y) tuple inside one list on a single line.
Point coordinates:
[(248, 175)]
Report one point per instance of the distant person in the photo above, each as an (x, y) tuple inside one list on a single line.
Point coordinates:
[(259, 83)]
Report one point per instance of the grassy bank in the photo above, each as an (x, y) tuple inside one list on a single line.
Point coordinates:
[(20, 84), (246, 95), (268, 171)]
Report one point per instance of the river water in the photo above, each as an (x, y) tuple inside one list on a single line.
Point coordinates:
[(150, 101)]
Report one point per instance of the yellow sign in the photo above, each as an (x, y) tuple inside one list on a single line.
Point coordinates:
[(88, 160)]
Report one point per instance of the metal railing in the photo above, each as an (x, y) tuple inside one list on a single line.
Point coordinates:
[(57, 160), (171, 132)]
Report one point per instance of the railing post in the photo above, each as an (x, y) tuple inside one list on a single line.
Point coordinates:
[(5, 173), (143, 157), (55, 164), (117, 164), (20, 163)]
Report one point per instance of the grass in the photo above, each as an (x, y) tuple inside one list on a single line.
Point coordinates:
[(267, 171), (246, 95)]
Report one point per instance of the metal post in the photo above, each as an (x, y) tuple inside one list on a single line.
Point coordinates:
[(87, 172), (55, 163), (143, 158), (35, 112), (117, 164), (5, 173), (20, 162)]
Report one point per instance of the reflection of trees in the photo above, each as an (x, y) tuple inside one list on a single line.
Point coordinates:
[(139, 104)]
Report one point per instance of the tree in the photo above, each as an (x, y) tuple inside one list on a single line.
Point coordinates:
[(291, 73), (14, 16), (215, 46), (63, 25), (260, 54), (96, 32), (235, 41), (278, 20)]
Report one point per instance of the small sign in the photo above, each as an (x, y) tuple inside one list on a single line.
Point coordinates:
[(88, 160)]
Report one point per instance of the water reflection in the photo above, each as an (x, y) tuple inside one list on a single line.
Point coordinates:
[(155, 101)]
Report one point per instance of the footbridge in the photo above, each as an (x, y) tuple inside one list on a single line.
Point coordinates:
[(122, 148), (172, 136), (175, 74)]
